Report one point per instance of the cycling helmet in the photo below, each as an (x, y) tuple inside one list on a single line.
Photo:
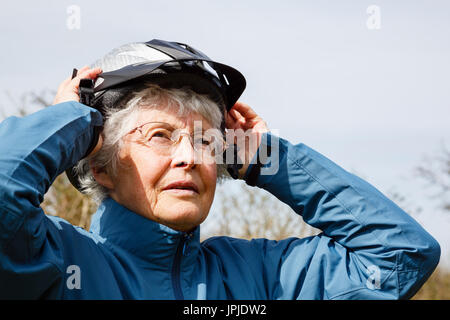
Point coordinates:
[(168, 64)]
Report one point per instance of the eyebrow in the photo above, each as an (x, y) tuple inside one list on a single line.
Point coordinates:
[(166, 124)]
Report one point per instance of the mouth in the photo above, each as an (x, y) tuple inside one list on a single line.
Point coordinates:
[(182, 187)]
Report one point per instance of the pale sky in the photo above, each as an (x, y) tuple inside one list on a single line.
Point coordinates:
[(375, 101)]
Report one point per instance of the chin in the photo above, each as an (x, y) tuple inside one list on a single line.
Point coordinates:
[(182, 216)]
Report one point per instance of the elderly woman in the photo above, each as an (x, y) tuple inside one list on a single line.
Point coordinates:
[(154, 168)]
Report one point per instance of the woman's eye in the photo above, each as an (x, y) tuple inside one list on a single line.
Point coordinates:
[(161, 134)]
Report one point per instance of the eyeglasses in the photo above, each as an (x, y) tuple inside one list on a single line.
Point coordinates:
[(164, 139)]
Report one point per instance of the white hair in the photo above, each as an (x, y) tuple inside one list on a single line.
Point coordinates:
[(119, 121)]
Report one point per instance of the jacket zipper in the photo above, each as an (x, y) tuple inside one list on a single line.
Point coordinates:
[(176, 274)]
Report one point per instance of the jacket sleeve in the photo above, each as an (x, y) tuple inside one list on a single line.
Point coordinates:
[(34, 150), (369, 248)]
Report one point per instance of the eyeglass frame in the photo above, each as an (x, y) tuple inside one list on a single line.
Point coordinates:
[(180, 135)]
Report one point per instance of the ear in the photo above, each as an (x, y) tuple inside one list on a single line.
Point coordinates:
[(102, 177)]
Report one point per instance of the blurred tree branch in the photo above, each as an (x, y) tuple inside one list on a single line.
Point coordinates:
[(435, 172), (249, 212)]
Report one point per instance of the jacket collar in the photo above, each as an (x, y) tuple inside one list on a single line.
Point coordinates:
[(144, 238)]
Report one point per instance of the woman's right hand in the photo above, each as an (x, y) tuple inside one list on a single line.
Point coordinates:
[(68, 89)]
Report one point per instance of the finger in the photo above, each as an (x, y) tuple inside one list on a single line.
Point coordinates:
[(236, 115), (230, 122), (244, 110), (82, 70), (232, 115), (64, 83), (89, 73), (86, 74)]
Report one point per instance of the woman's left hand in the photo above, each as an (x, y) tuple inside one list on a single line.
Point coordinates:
[(246, 128)]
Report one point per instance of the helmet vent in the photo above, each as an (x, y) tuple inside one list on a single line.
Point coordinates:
[(226, 79), (210, 69)]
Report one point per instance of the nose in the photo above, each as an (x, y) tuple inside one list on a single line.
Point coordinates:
[(183, 155)]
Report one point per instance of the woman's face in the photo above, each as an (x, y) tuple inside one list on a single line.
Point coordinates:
[(171, 189)]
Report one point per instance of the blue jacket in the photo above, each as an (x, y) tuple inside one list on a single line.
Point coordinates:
[(369, 247)]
